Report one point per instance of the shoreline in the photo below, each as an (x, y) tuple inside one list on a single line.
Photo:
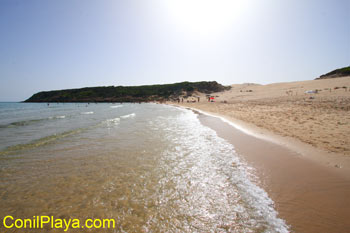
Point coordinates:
[(337, 162), (310, 193)]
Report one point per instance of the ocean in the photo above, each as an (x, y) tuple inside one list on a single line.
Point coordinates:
[(151, 167)]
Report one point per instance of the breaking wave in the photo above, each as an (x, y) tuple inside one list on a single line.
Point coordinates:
[(128, 116)]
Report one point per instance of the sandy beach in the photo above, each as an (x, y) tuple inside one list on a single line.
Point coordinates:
[(298, 142), (307, 122), (310, 197)]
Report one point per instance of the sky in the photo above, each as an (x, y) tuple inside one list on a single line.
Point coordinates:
[(64, 44)]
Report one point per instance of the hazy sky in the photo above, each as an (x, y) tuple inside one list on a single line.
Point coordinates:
[(47, 45)]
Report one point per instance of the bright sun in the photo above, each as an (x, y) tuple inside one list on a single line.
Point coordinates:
[(205, 17)]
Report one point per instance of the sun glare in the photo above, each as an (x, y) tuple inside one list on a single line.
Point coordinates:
[(205, 17)]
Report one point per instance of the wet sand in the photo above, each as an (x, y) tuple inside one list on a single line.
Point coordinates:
[(309, 196)]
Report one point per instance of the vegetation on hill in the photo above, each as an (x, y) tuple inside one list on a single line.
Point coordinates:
[(345, 71), (127, 94)]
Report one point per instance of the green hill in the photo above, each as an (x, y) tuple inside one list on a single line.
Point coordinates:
[(127, 93), (338, 73)]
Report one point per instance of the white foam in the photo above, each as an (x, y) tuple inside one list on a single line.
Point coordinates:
[(128, 116), (116, 106), (57, 117), (114, 121), (239, 127), (212, 153), (87, 113)]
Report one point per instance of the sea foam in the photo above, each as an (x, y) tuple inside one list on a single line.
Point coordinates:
[(87, 113), (114, 121), (219, 179), (116, 106), (128, 116)]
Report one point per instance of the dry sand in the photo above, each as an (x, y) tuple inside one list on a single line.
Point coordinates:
[(316, 125)]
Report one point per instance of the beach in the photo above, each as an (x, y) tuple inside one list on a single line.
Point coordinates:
[(197, 166), (309, 196), (175, 116), (318, 120), (296, 136), (155, 167)]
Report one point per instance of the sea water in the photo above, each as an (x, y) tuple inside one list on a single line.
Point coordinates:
[(151, 167)]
